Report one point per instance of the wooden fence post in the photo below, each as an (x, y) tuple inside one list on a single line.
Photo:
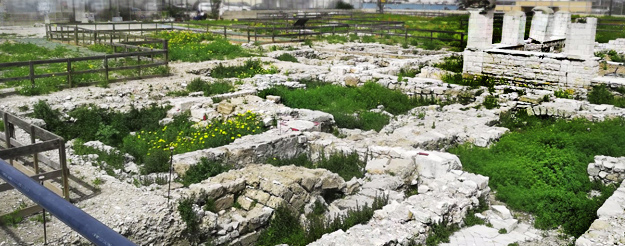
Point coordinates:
[(76, 35), (69, 72), (31, 74), (64, 170), (225, 33), (106, 68), (36, 155)]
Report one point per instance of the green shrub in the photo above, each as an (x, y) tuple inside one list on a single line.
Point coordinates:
[(600, 95), (409, 72), (502, 231), (191, 220), (285, 227), (1, 126), (440, 233), (451, 63), (566, 94), (490, 102), (203, 170), (528, 164), (247, 70), (156, 161), (287, 57), (219, 87)]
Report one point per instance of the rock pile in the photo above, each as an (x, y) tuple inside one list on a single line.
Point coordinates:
[(608, 170), (609, 228)]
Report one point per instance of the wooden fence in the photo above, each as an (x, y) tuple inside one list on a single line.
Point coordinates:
[(27, 157), (125, 47)]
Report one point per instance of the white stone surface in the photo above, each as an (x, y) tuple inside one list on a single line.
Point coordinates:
[(513, 31), (480, 35), (580, 40)]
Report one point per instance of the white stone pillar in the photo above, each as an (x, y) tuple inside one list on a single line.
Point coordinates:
[(480, 36), (513, 31), (540, 26), (560, 25), (580, 39)]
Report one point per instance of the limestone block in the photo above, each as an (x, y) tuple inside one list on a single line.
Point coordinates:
[(502, 211), (225, 107), (224, 202)]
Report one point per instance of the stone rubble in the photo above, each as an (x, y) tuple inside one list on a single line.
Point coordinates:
[(607, 169)]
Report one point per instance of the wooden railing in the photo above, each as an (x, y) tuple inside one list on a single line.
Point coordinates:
[(27, 157)]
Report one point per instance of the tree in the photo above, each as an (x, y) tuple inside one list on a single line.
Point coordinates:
[(215, 6)]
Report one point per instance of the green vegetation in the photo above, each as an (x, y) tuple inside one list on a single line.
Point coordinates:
[(602, 95), (12, 219), (567, 94), (192, 221), (452, 63), (151, 142), (203, 170), (194, 47), (490, 102), (345, 165), (1, 126), (285, 227), (440, 233), (101, 48), (247, 70), (408, 72), (527, 167), (287, 57), (473, 81), (350, 105), (108, 161), (209, 89), (16, 52), (608, 32)]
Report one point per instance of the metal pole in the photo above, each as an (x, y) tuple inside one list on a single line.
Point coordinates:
[(87, 226), (171, 161)]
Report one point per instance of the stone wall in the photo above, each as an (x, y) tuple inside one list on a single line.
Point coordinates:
[(532, 67), (609, 228), (580, 39), (608, 170)]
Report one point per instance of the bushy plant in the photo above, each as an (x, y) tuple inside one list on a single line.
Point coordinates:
[(409, 72), (285, 227), (247, 70), (287, 57), (209, 89), (451, 63), (106, 160), (440, 233), (194, 47), (490, 102), (203, 170), (527, 167), (600, 95)]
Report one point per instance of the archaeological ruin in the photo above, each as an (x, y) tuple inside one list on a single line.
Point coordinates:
[(318, 127)]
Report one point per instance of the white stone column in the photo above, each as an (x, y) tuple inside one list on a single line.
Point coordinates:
[(480, 36), (513, 31), (560, 25), (580, 39), (540, 26)]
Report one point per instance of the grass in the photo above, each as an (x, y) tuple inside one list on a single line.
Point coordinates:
[(247, 70), (188, 46), (203, 170), (527, 167), (285, 227), (151, 142), (350, 105), (16, 52), (287, 57), (345, 165), (209, 89)]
